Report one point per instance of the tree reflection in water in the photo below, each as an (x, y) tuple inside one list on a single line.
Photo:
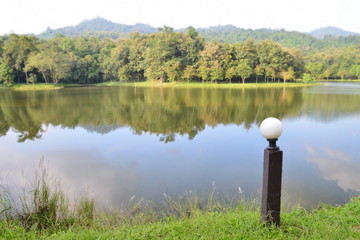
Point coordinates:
[(166, 112)]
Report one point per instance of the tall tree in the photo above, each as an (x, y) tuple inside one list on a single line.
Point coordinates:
[(6, 73), (51, 61), (244, 69), (16, 51), (288, 74)]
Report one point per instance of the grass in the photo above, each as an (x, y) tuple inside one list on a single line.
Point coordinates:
[(341, 80), (207, 85), (4, 86), (37, 86), (49, 86), (341, 222), (45, 213)]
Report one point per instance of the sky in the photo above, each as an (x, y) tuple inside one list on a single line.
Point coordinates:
[(35, 16)]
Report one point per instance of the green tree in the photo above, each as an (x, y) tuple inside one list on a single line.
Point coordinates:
[(16, 51), (216, 72), (137, 47), (173, 70), (124, 73), (248, 51), (192, 32), (307, 78), (162, 47), (211, 62), (258, 72), (244, 70), (230, 73), (204, 72), (189, 73), (355, 70), (106, 66), (6, 73), (32, 78), (315, 69), (51, 61)]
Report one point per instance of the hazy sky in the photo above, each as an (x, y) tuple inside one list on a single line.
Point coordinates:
[(34, 16)]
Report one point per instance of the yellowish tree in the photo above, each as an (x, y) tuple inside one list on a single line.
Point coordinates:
[(288, 74)]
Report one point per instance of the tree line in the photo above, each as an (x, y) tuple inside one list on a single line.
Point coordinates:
[(165, 56)]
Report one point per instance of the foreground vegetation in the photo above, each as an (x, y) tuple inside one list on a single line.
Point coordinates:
[(240, 222), (45, 213)]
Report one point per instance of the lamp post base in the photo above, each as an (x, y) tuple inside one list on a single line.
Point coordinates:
[(271, 192)]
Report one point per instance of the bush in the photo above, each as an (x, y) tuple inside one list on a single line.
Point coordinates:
[(307, 78)]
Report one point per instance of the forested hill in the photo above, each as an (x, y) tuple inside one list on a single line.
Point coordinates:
[(100, 27), (333, 31), (290, 39)]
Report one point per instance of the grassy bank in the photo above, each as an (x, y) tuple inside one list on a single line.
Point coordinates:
[(342, 222), (44, 86), (208, 85), (37, 86), (340, 80), (45, 213)]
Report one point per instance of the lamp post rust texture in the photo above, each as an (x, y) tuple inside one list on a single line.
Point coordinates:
[(271, 129)]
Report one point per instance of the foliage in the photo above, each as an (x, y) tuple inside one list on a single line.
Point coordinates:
[(307, 78), (6, 73), (166, 56), (335, 63), (288, 74)]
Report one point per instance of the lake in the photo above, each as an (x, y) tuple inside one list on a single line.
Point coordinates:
[(114, 143)]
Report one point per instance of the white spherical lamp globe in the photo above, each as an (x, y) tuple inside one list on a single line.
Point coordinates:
[(271, 128)]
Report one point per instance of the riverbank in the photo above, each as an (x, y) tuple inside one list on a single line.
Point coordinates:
[(45, 86), (208, 85), (241, 222), (40, 86), (37, 86), (339, 80), (46, 213)]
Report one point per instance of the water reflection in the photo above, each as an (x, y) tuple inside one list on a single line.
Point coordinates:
[(165, 112), (79, 172), (106, 140), (335, 165)]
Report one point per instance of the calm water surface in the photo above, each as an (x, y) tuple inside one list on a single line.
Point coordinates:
[(114, 143)]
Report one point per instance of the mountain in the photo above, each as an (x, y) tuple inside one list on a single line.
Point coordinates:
[(101, 129), (99, 27), (103, 28), (232, 34), (331, 31)]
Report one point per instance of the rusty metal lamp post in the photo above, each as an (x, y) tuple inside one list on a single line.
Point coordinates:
[(271, 129)]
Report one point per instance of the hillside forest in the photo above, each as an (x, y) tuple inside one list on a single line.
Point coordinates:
[(168, 56)]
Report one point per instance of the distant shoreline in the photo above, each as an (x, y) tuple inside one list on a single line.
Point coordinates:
[(50, 86), (208, 85)]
